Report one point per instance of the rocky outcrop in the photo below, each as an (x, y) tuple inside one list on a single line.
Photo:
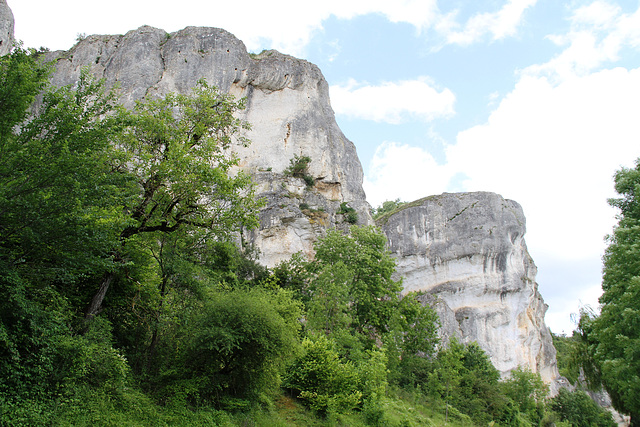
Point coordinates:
[(468, 251), (6, 28), (287, 105)]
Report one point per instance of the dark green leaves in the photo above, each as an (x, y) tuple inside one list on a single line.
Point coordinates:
[(611, 341)]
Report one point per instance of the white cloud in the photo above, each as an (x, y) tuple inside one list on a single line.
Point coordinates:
[(393, 102), (280, 24), (404, 172), (599, 31), (554, 149), (499, 25), (419, 13)]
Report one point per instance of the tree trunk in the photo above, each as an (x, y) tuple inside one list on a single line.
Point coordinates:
[(95, 305), (155, 337)]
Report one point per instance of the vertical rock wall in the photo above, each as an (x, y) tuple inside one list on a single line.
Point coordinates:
[(287, 105), (6, 28), (468, 250)]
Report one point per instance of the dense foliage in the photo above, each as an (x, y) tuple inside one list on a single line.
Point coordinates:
[(611, 340), (125, 298)]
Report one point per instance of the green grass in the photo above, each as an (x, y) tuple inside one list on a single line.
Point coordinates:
[(133, 408), (382, 219)]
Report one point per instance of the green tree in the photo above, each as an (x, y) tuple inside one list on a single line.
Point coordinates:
[(612, 339), (365, 267), (417, 325), (568, 364), (22, 78), (176, 150), (327, 383), (528, 392), (57, 223), (580, 410), (231, 345), (58, 196)]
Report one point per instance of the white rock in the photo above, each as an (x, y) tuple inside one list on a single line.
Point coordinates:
[(468, 250)]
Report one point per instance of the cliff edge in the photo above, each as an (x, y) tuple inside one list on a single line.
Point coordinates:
[(468, 251), (6, 28), (287, 105)]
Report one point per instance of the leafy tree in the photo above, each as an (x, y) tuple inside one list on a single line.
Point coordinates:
[(528, 392), (568, 364), (329, 309), (580, 410), (418, 327), (448, 373), (176, 151), (235, 345), (328, 384), (612, 339), (59, 219), (365, 267), (58, 196), (22, 78)]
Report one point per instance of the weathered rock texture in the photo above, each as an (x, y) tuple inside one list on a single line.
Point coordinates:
[(288, 108), (468, 250), (6, 28)]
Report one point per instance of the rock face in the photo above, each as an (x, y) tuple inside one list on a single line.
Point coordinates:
[(6, 28), (287, 106), (468, 251)]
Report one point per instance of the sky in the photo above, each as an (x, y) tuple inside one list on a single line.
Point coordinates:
[(536, 100)]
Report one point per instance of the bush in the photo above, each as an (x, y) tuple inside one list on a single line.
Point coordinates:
[(350, 214), (90, 360), (325, 383), (235, 347), (298, 168), (580, 410)]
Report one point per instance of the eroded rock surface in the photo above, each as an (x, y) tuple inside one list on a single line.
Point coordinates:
[(468, 250), (287, 105), (6, 28)]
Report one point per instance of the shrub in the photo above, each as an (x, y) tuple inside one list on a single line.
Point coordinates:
[(235, 347), (298, 168), (322, 380), (350, 214), (580, 410)]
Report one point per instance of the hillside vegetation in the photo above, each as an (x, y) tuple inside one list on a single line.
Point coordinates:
[(125, 299)]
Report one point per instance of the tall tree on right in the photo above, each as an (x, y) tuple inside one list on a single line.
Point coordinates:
[(612, 338)]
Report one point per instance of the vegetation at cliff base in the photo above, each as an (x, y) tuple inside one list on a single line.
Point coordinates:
[(128, 295), (610, 341)]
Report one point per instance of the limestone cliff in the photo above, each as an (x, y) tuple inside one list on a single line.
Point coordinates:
[(287, 105), (6, 28), (468, 250)]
